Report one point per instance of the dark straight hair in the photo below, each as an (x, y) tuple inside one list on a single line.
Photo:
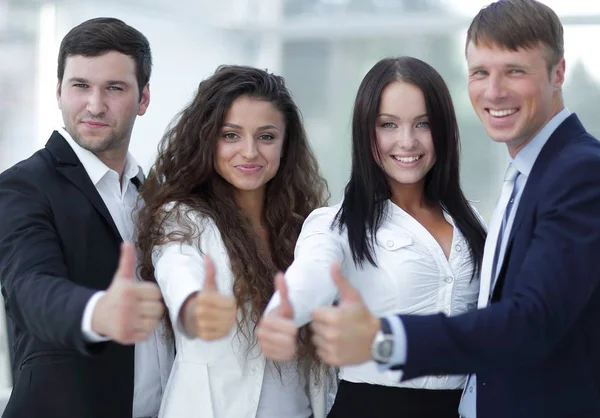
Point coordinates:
[(365, 196), (101, 35)]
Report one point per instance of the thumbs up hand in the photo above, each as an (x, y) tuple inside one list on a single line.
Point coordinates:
[(277, 330), (208, 314), (343, 334), (129, 310)]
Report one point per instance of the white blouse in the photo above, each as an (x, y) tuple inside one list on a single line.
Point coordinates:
[(225, 378), (413, 277)]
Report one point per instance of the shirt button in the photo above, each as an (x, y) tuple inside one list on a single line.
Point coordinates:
[(512, 200), (483, 384), (446, 311), (449, 279), (390, 243), (471, 389), (439, 376), (458, 248)]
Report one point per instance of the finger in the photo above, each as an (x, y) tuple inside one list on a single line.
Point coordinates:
[(325, 316), (147, 291), (285, 306), (210, 282), (140, 336), (277, 353), (126, 268), (209, 301), (151, 309), (327, 357), (146, 325), (280, 325), (347, 292)]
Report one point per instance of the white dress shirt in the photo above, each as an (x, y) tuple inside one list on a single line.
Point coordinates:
[(228, 377), (413, 277), (153, 357)]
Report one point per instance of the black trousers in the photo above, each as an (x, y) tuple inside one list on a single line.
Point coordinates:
[(363, 400)]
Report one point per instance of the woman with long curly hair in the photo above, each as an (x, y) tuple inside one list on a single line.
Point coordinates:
[(224, 204)]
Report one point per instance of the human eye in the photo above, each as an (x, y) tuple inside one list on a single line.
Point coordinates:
[(388, 125), (266, 137), (479, 73), (114, 88), (422, 124), (230, 136), (80, 85)]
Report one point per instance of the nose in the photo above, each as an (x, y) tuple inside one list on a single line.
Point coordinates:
[(495, 89), (96, 104), (249, 148), (406, 138)]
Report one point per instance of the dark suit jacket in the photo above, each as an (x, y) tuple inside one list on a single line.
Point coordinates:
[(59, 245), (536, 349)]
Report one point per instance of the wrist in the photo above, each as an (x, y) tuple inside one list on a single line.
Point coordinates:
[(98, 323), (382, 347)]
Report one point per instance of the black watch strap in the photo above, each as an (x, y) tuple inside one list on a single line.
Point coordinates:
[(385, 326)]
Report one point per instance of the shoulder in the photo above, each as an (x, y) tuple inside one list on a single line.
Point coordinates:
[(37, 168), (578, 160), (320, 220)]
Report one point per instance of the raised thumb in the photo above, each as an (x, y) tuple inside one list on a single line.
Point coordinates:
[(210, 282), (126, 268), (285, 306), (347, 292)]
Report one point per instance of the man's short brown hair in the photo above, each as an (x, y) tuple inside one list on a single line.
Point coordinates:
[(515, 24)]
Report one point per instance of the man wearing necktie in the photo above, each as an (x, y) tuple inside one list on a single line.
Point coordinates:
[(532, 349)]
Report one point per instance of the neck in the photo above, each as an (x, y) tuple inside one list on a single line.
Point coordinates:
[(252, 203), (557, 106), (409, 197), (114, 159)]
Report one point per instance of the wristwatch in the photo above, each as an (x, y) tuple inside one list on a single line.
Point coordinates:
[(382, 347)]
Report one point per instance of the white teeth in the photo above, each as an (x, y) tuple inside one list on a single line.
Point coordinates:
[(407, 159), (499, 113)]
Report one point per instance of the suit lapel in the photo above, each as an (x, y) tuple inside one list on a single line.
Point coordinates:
[(566, 131), (71, 168)]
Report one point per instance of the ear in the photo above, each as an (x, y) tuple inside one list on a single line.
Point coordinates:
[(144, 100), (558, 74), (58, 87)]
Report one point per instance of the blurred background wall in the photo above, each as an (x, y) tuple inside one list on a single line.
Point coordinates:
[(322, 47)]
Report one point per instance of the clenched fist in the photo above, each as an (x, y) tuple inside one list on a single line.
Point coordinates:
[(208, 314), (129, 310)]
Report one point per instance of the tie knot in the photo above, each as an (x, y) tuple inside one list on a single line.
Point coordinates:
[(511, 173)]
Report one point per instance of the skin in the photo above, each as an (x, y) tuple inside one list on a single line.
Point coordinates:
[(248, 155), (99, 100)]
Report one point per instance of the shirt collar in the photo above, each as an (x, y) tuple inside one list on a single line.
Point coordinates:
[(526, 157), (95, 168)]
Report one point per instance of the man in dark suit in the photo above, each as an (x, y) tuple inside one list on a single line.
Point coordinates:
[(70, 293), (533, 347)]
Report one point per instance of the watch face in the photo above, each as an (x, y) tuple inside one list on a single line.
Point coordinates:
[(384, 349)]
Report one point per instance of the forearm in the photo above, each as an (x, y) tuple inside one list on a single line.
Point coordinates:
[(50, 309)]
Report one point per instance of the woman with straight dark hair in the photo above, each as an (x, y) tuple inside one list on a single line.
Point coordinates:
[(405, 235), (224, 204)]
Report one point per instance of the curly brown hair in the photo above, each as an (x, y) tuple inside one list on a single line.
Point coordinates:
[(184, 173)]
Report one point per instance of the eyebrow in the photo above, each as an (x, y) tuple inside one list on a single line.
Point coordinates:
[(424, 115), (510, 65), (260, 128), (86, 81)]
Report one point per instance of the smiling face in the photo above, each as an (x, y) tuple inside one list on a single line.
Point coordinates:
[(404, 140), (99, 99), (250, 144), (512, 92)]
